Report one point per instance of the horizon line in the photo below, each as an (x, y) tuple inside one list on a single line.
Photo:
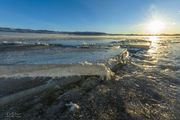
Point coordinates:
[(100, 32)]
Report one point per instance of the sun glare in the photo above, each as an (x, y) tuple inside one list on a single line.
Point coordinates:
[(155, 27)]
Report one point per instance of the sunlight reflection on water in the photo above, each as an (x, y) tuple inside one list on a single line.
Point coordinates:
[(154, 44)]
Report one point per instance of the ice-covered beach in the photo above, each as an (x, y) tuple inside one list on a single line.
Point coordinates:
[(144, 87)]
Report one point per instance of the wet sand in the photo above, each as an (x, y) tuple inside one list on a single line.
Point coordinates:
[(123, 97)]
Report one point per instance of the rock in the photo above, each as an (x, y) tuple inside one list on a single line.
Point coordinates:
[(73, 106)]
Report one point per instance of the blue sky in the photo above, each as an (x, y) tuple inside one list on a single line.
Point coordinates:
[(113, 16)]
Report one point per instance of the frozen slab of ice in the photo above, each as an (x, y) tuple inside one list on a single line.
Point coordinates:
[(20, 71), (58, 55)]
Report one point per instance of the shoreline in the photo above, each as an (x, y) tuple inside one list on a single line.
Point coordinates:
[(137, 90)]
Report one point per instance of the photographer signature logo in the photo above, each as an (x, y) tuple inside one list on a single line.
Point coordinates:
[(13, 115)]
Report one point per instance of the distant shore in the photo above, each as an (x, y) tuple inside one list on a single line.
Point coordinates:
[(42, 36), (27, 34), (78, 33)]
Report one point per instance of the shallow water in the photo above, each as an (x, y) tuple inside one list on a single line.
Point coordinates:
[(56, 51), (163, 55), (149, 52), (155, 73), (57, 56)]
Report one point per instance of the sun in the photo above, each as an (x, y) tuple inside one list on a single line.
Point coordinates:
[(155, 26)]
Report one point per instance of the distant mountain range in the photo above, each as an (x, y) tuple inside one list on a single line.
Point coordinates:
[(19, 30), (4, 29)]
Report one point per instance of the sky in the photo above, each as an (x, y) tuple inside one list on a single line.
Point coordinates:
[(111, 16)]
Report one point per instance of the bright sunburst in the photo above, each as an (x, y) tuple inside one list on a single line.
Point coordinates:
[(155, 26)]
